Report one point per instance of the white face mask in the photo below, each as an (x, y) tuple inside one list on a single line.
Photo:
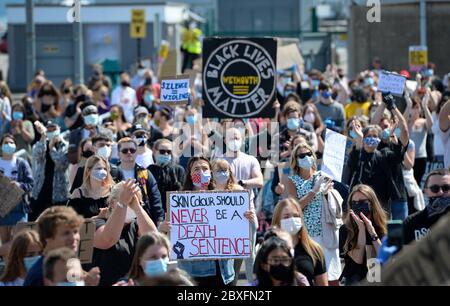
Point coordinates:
[(104, 152), (234, 145), (291, 225), (131, 215)]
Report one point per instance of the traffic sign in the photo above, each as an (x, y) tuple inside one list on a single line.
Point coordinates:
[(138, 26)]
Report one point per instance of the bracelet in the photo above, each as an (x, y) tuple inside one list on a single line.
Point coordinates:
[(120, 205)]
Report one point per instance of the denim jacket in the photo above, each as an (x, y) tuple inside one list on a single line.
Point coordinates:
[(60, 176), (203, 268)]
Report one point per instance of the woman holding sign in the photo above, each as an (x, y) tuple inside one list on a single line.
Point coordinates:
[(309, 186), (208, 273), (16, 172)]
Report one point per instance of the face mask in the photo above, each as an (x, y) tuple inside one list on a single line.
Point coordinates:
[(131, 215), (221, 177), (369, 82), (99, 174), (291, 225), (164, 159), (71, 284), (87, 154), (148, 81), (45, 108), (114, 116), (141, 73), (201, 179), (141, 141), (315, 83), (104, 152), (289, 91), (281, 272), (372, 142), (148, 99), (8, 148), (17, 116), (191, 119), (306, 162), (352, 134), (293, 123), (326, 95), (124, 83), (91, 119), (234, 145), (30, 261), (310, 117), (51, 135), (155, 267)]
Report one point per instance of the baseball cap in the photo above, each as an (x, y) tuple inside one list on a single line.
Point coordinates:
[(140, 110)]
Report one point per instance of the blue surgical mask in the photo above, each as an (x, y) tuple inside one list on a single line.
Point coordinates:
[(55, 133), (221, 177), (352, 134), (8, 148), (386, 134), (17, 115), (191, 119), (30, 261), (91, 119), (71, 284), (164, 159), (369, 82), (155, 267), (315, 83), (293, 123), (372, 142), (326, 94), (306, 162), (148, 99), (99, 174), (397, 132)]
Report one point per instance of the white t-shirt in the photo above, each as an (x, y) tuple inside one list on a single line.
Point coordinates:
[(128, 174), (125, 97), (445, 136), (9, 168), (437, 142), (242, 167), (145, 160)]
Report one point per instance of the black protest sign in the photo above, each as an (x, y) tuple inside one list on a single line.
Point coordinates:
[(239, 77)]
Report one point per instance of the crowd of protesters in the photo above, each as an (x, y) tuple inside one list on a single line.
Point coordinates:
[(81, 151)]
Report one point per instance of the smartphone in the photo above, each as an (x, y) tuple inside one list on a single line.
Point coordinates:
[(172, 265), (361, 207), (395, 233)]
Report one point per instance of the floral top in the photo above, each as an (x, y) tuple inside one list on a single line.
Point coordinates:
[(312, 213)]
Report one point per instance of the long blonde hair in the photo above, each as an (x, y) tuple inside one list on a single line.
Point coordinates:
[(377, 215), (293, 160), (312, 248), (90, 163), (223, 164)]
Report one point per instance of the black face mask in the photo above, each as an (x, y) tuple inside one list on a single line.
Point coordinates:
[(148, 81), (45, 108), (124, 83), (282, 273), (87, 154), (334, 95)]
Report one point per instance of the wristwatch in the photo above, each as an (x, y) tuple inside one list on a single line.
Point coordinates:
[(374, 237), (241, 183)]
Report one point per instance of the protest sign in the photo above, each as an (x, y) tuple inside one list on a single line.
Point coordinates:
[(86, 246), (334, 155), (423, 263), (239, 77), (418, 58), (175, 90), (288, 56), (391, 82), (209, 224), (10, 195)]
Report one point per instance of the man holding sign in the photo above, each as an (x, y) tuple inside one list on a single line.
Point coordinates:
[(175, 91)]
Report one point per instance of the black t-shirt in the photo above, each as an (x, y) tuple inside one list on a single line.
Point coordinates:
[(87, 207), (417, 225), (398, 189), (115, 262), (305, 265)]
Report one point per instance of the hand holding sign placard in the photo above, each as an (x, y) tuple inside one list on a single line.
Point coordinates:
[(209, 224), (175, 90), (391, 83), (334, 155)]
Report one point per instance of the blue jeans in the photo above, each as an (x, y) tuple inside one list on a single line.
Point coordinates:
[(399, 209)]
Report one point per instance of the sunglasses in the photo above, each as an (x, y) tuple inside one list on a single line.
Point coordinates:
[(126, 150), (165, 151), (436, 188), (303, 155), (360, 202)]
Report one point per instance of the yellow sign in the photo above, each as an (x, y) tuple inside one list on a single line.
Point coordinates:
[(138, 26), (418, 57)]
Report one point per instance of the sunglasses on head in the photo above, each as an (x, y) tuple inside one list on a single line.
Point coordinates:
[(302, 155), (436, 188), (161, 151), (126, 150)]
